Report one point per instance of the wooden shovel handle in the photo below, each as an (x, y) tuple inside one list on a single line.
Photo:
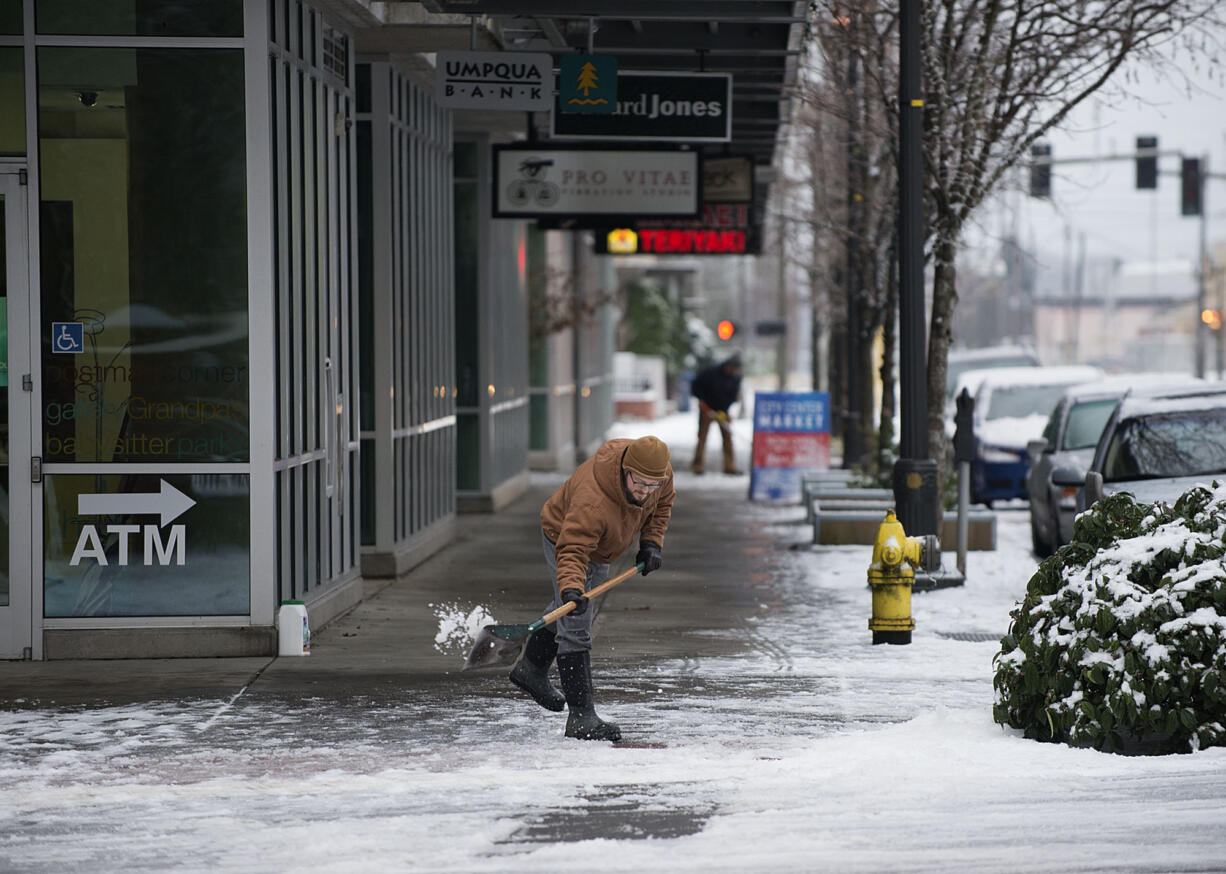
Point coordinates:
[(554, 615)]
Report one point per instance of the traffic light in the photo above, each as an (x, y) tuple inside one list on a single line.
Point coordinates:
[(1190, 187), (1040, 170), (725, 329), (1147, 165)]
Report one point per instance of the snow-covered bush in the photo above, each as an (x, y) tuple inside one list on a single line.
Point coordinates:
[(1120, 642)]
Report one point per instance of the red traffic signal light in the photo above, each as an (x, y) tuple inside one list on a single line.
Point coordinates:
[(725, 329)]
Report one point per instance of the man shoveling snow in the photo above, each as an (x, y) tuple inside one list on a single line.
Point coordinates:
[(624, 490)]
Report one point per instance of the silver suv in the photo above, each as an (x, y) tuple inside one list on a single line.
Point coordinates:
[(1069, 441), (1156, 447)]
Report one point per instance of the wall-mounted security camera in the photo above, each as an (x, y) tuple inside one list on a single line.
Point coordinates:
[(87, 98)]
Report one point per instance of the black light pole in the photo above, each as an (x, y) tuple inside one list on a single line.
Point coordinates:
[(915, 475)]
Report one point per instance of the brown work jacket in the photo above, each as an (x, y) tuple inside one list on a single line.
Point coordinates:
[(590, 518)]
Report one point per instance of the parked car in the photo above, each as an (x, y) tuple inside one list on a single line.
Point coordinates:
[(1156, 447), (1069, 441), (961, 360), (1012, 406)]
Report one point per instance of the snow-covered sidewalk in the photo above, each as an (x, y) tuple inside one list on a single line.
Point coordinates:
[(811, 751)]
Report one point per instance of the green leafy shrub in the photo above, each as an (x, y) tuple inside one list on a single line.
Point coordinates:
[(1120, 642)]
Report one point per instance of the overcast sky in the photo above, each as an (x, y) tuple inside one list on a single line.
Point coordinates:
[(1100, 198)]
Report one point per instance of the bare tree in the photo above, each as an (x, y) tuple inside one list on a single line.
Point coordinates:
[(998, 76), (810, 181), (841, 173), (553, 305)]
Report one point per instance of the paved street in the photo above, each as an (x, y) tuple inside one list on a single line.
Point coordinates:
[(763, 732)]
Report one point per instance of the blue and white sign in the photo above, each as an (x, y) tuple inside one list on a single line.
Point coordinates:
[(68, 337), (791, 435), (791, 411)]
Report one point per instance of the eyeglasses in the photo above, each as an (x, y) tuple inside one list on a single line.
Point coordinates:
[(648, 486)]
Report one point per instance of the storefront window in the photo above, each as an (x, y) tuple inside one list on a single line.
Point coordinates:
[(10, 18), (467, 257), (146, 545), (4, 414), (144, 255), (138, 17), (12, 102)]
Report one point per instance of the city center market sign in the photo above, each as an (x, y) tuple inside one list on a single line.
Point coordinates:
[(689, 107), (613, 185)]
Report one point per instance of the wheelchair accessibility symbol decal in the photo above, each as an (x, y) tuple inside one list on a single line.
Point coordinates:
[(532, 184), (68, 337)]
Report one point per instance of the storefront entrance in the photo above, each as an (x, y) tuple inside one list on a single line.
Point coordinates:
[(16, 420)]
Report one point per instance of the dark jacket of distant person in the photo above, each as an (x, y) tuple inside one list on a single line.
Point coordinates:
[(719, 385)]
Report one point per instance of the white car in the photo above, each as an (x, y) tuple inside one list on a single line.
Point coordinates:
[(1012, 405)]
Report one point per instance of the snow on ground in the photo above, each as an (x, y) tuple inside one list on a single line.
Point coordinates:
[(817, 752)]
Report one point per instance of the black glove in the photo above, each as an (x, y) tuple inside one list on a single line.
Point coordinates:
[(648, 557), (578, 598)]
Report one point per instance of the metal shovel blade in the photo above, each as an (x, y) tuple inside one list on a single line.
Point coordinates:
[(497, 645), (502, 644)]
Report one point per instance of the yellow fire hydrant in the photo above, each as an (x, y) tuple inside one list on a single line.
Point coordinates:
[(891, 576)]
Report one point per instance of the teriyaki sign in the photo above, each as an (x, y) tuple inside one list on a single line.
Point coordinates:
[(508, 81), (671, 241), (689, 107), (723, 229)]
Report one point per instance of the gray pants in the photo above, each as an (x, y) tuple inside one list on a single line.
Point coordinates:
[(574, 632)]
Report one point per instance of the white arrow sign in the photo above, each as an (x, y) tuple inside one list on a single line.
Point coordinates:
[(169, 503)]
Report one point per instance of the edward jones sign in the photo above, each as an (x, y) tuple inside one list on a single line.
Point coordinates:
[(691, 107), (539, 181)]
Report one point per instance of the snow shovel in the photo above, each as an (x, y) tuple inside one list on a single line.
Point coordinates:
[(501, 644)]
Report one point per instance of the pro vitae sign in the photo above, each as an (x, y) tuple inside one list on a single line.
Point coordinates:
[(539, 182), (508, 81), (690, 107)]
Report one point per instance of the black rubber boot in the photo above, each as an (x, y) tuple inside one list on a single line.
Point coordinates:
[(532, 671), (575, 669)]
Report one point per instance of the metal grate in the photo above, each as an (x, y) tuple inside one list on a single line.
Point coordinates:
[(970, 636)]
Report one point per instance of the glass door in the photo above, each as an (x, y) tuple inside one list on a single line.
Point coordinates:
[(16, 393)]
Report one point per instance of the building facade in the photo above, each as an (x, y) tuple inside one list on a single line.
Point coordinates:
[(261, 335)]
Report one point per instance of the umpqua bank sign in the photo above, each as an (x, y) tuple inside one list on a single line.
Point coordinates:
[(505, 81), (690, 107)]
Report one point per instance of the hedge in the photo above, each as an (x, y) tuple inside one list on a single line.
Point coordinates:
[(1120, 642)]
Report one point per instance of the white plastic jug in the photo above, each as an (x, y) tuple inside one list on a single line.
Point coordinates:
[(295, 633)]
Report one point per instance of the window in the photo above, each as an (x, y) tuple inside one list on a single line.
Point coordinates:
[(1086, 422), (103, 560), (144, 244), (12, 101), (1189, 443), (1020, 401), (138, 17)]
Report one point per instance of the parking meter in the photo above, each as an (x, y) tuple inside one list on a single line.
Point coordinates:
[(964, 427), (964, 454)]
